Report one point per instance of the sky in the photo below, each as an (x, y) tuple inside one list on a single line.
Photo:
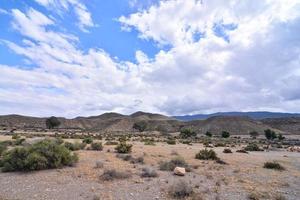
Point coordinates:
[(86, 57)]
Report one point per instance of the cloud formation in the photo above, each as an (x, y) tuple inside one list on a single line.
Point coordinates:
[(221, 56)]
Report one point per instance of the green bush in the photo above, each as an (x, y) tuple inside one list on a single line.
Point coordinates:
[(270, 135), (15, 136), (123, 147), (87, 140), (273, 165), (75, 146), (3, 147), (225, 134), (19, 141), (97, 146), (187, 133), (45, 154), (205, 154), (252, 147), (281, 137), (208, 134), (254, 134), (52, 122)]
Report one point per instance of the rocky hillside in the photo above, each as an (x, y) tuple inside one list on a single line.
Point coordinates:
[(115, 122), (288, 124), (232, 124)]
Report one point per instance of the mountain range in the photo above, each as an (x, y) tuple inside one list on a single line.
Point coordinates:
[(235, 122), (254, 115)]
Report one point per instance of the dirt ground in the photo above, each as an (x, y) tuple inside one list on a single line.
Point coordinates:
[(243, 175)]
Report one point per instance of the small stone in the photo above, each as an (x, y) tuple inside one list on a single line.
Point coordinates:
[(180, 171)]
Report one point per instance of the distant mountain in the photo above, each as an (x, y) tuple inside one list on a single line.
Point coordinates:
[(253, 115)]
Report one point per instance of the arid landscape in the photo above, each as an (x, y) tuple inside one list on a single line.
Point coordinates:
[(146, 170)]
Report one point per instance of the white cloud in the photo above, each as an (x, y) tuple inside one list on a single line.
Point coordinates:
[(84, 17), (258, 69)]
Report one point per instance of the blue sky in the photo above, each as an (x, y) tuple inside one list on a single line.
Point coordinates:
[(75, 57)]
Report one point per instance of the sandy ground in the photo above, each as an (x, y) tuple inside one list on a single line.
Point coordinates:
[(243, 175)]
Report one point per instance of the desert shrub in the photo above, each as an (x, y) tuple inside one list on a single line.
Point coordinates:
[(171, 141), (180, 190), (19, 141), (140, 126), (87, 140), (97, 146), (59, 140), (187, 133), (225, 134), (188, 142), (227, 151), (52, 122), (45, 154), (15, 136), (125, 157), (75, 146), (123, 138), (281, 137), (99, 164), (208, 134), (3, 147), (111, 174), (149, 142), (270, 135), (128, 157), (254, 134), (241, 151), (111, 143), (139, 159), (149, 172), (205, 154), (175, 162), (273, 165), (220, 144), (222, 162), (252, 147), (123, 147)]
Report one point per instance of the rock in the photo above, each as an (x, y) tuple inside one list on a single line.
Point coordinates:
[(180, 171)]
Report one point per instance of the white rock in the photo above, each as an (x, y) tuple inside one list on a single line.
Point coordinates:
[(180, 171)]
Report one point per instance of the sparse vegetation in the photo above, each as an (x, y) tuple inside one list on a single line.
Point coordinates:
[(205, 154), (187, 133), (42, 155), (241, 151), (225, 134), (149, 172), (75, 146), (208, 134), (252, 147), (273, 165), (123, 147), (171, 141), (96, 146), (180, 190), (227, 151), (52, 122), (175, 162), (281, 137), (111, 143), (99, 164), (88, 140), (253, 134), (140, 126), (111, 174), (270, 135)]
